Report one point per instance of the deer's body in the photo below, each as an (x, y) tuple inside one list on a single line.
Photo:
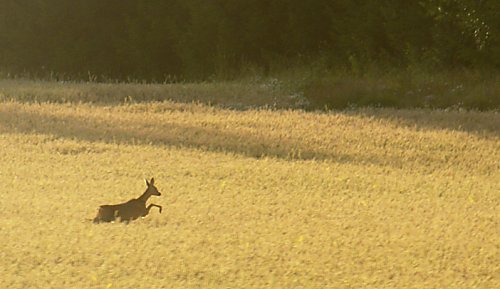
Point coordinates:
[(130, 210)]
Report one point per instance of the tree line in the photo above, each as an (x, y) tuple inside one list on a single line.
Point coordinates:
[(196, 39)]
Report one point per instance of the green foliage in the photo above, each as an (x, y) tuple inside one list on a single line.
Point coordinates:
[(194, 39)]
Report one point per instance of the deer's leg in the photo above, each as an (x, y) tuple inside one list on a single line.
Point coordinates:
[(152, 205)]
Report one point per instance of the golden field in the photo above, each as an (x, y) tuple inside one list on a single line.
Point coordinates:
[(368, 198)]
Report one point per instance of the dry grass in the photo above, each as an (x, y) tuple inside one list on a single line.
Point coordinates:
[(252, 199), (239, 95)]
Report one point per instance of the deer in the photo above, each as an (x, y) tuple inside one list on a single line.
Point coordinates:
[(130, 210)]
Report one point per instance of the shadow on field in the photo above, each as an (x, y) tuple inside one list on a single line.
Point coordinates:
[(472, 122), (95, 129), (255, 144)]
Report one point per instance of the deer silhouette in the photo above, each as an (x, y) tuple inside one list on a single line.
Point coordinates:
[(130, 210)]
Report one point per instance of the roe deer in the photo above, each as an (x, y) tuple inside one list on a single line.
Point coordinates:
[(130, 210)]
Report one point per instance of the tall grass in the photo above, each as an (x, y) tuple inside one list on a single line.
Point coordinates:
[(313, 87), (229, 94), (406, 89)]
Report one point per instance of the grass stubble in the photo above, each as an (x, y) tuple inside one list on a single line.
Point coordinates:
[(368, 198)]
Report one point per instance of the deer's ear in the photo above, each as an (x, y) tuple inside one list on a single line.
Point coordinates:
[(152, 182), (147, 183)]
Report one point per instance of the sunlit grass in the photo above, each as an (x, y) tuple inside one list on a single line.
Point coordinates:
[(237, 94), (371, 198), (309, 88)]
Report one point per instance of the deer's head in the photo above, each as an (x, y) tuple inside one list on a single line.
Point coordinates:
[(152, 190)]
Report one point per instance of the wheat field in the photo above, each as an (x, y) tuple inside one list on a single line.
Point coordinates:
[(368, 198)]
